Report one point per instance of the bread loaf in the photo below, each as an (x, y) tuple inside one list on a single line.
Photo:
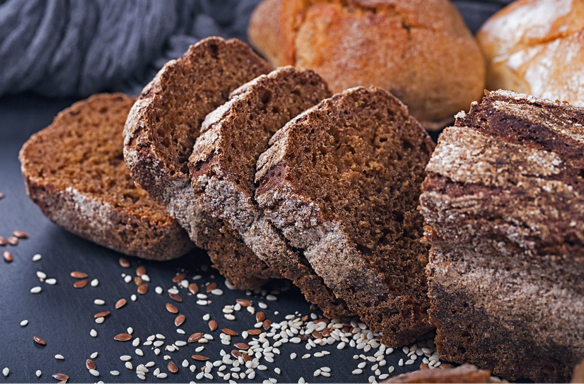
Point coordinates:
[(504, 202), (421, 51), (536, 47), (75, 172), (160, 133), (342, 181)]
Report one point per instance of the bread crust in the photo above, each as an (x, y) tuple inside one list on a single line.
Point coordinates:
[(92, 215), (421, 51), (526, 46), (159, 135)]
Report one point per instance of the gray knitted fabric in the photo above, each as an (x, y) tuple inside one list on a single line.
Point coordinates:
[(76, 48)]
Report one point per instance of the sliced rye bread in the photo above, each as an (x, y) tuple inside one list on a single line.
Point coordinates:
[(223, 166), (342, 181), (159, 136), (75, 172)]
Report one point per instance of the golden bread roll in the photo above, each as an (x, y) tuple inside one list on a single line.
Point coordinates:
[(537, 47), (421, 51)]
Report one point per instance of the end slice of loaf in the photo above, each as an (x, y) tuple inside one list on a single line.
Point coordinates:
[(342, 181), (223, 167), (74, 171), (160, 133)]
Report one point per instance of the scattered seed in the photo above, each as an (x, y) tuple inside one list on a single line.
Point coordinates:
[(243, 302), (94, 355), (93, 333), (171, 308), (6, 372), (51, 281), (36, 290), (172, 367), (195, 337), (139, 352), (142, 289), (241, 346), (78, 275), (127, 279), (102, 314), (38, 373), (120, 303), (3, 241), (254, 332), (8, 256), (141, 270), (59, 357), (193, 288), (94, 283), (80, 284), (13, 240), (122, 337), (94, 373), (200, 357), (114, 373), (137, 280), (271, 298), (159, 290), (100, 320), (179, 277), (36, 257), (125, 357), (267, 324), (211, 287), (213, 325), (61, 376), (133, 298), (89, 364), (260, 316), (98, 302), (2, 195), (20, 234), (229, 317), (124, 263), (229, 332), (24, 323), (179, 320), (175, 297)]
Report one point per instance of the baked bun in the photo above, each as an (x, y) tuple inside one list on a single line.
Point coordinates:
[(421, 51), (537, 47)]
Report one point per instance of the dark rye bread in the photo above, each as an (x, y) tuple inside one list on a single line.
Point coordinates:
[(160, 133), (342, 182), (75, 172), (504, 202), (223, 167), (466, 373)]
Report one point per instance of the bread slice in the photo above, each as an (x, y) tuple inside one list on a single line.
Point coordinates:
[(223, 167), (342, 181), (160, 133), (75, 172)]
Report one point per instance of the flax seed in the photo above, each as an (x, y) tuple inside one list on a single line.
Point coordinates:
[(8, 256), (179, 320), (260, 316), (90, 364), (193, 288), (200, 357), (78, 275), (243, 302), (102, 314), (229, 332), (3, 241), (122, 337), (141, 270), (80, 284), (235, 353), (61, 376), (254, 332), (138, 280), (195, 337), (266, 324), (13, 240), (213, 325), (142, 289), (175, 297), (171, 308), (243, 346), (124, 262), (211, 287), (172, 368), (179, 277), (39, 341), (20, 234), (120, 303)]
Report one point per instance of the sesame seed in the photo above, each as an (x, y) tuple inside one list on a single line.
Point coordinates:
[(94, 372), (93, 333), (262, 305), (38, 373), (94, 283), (292, 356), (51, 281), (133, 297), (59, 357), (127, 279), (99, 302), (6, 372), (37, 257), (357, 371), (161, 376), (139, 352), (24, 323), (229, 316), (41, 275), (94, 355), (36, 290), (114, 373), (100, 320), (129, 365)]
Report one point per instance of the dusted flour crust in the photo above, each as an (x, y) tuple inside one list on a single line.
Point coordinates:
[(160, 133), (504, 204), (145, 230), (310, 219)]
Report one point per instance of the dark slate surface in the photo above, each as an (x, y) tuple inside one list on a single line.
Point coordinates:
[(63, 316)]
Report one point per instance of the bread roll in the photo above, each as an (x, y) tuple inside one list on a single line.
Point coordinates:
[(537, 47), (421, 51)]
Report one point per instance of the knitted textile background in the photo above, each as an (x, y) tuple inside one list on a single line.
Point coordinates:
[(61, 48)]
